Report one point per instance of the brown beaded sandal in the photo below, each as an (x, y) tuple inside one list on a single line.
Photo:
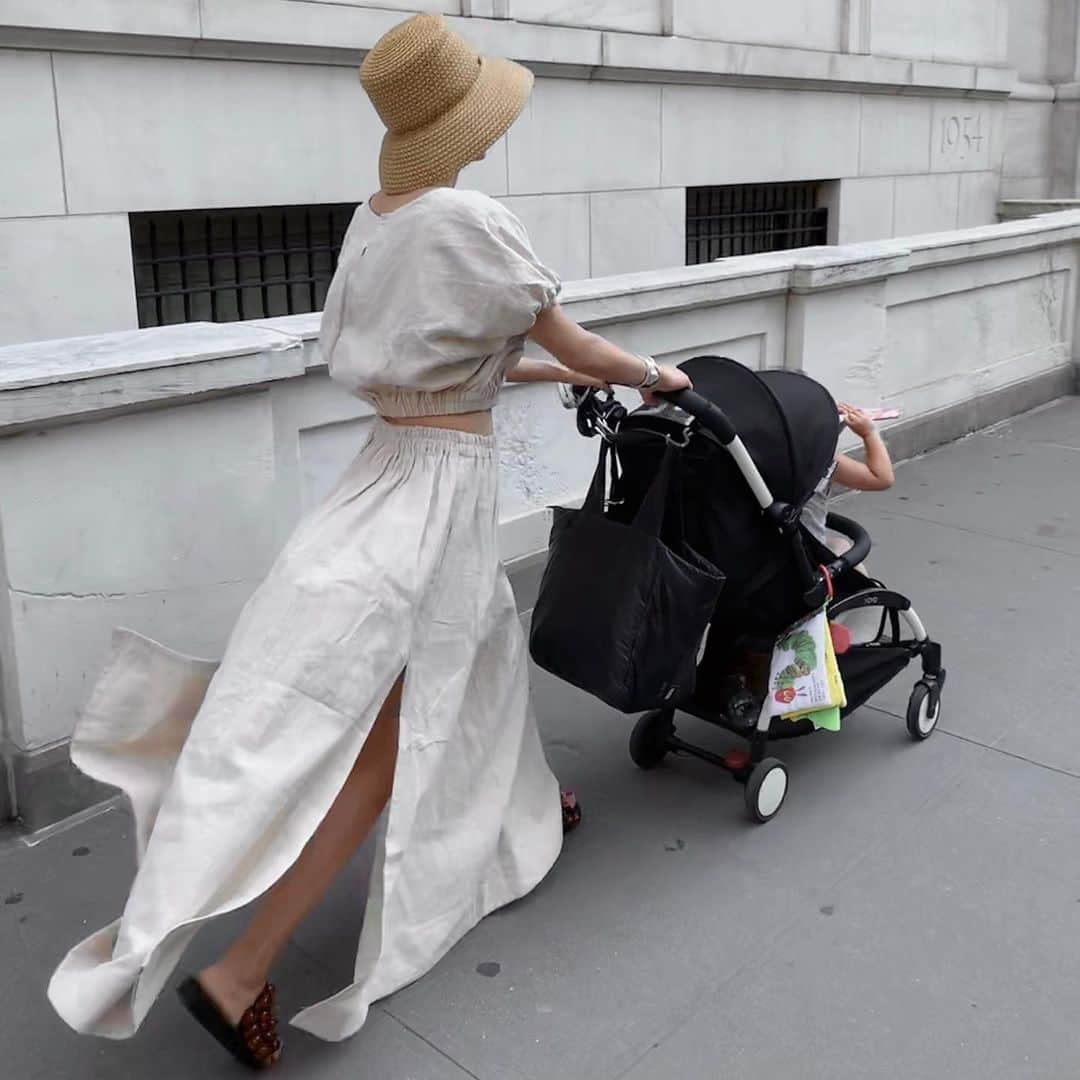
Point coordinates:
[(571, 812), (253, 1041)]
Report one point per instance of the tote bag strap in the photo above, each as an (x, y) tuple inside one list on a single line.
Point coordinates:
[(656, 508), (596, 498)]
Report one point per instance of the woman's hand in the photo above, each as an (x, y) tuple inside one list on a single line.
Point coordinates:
[(671, 379), (857, 420)]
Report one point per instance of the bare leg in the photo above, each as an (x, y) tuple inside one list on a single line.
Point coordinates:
[(237, 978)]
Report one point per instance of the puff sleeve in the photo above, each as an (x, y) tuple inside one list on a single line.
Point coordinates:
[(498, 282)]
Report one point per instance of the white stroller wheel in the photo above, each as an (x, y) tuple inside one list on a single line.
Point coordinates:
[(766, 789), (923, 711)]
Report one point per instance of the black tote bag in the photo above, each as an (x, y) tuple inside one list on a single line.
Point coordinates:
[(622, 609)]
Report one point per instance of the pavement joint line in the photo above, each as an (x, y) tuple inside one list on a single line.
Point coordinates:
[(21, 841), (991, 747), (438, 1049), (1010, 754)]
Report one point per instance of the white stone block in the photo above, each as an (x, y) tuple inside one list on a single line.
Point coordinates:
[(352, 28), (1028, 140), (728, 135), (926, 204), (1065, 149), (31, 181), (961, 31), (750, 351), (962, 137), (489, 174), (808, 24), (638, 230), (1036, 187), (836, 337), (558, 226), (1029, 38), (979, 194), (212, 133), (945, 340), (542, 459), (896, 134), (866, 210), (443, 7), (325, 452), (636, 16), (293, 22), (161, 18), (486, 9), (586, 136), (150, 502), (751, 331), (64, 277), (60, 645), (969, 31)]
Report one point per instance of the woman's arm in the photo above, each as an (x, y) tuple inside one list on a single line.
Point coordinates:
[(876, 474), (589, 354), (530, 371)]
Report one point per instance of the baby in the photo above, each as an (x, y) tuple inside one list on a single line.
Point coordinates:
[(873, 474)]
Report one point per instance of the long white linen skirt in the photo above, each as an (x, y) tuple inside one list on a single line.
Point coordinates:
[(230, 768)]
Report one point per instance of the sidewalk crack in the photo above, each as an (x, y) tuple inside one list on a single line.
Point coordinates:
[(438, 1049)]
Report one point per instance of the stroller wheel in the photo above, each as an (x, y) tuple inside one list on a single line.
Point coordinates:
[(649, 739), (766, 788), (923, 711)]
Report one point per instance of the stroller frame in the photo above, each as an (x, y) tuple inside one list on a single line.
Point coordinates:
[(765, 778)]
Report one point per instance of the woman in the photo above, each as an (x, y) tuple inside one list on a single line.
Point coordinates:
[(381, 664)]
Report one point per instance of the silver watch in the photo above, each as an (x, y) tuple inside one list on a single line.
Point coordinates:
[(652, 374)]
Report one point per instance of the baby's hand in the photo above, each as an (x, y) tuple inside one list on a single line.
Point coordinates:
[(857, 420)]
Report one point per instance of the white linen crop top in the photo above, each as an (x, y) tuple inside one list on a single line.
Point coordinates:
[(430, 304)]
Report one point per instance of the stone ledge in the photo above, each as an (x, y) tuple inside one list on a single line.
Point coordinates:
[(50, 382), (340, 34)]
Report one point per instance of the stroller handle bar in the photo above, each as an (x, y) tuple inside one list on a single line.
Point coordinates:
[(705, 412), (716, 421), (860, 543)]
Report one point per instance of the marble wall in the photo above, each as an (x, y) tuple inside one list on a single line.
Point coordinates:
[(636, 100)]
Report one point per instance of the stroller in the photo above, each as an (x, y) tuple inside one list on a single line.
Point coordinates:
[(746, 471)]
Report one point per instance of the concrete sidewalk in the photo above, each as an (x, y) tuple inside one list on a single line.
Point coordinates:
[(913, 912)]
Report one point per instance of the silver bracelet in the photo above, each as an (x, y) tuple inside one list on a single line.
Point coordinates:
[(652, 374)]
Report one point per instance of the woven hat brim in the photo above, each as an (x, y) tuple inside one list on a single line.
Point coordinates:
[(435, 154)]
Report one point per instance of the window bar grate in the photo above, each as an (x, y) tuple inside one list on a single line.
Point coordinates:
[(731, 220), (224, 265)]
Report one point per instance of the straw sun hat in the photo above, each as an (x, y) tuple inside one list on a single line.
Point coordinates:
[(443, 105)]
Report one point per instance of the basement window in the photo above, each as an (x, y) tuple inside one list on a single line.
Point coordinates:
[(228, 265), (746, 219)]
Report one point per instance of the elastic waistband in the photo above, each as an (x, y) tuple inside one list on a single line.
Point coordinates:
[(421, 437)]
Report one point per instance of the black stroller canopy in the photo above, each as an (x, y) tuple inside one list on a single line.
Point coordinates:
[(788, 422)]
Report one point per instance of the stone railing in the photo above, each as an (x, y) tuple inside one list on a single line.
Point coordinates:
[(148, 478)]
